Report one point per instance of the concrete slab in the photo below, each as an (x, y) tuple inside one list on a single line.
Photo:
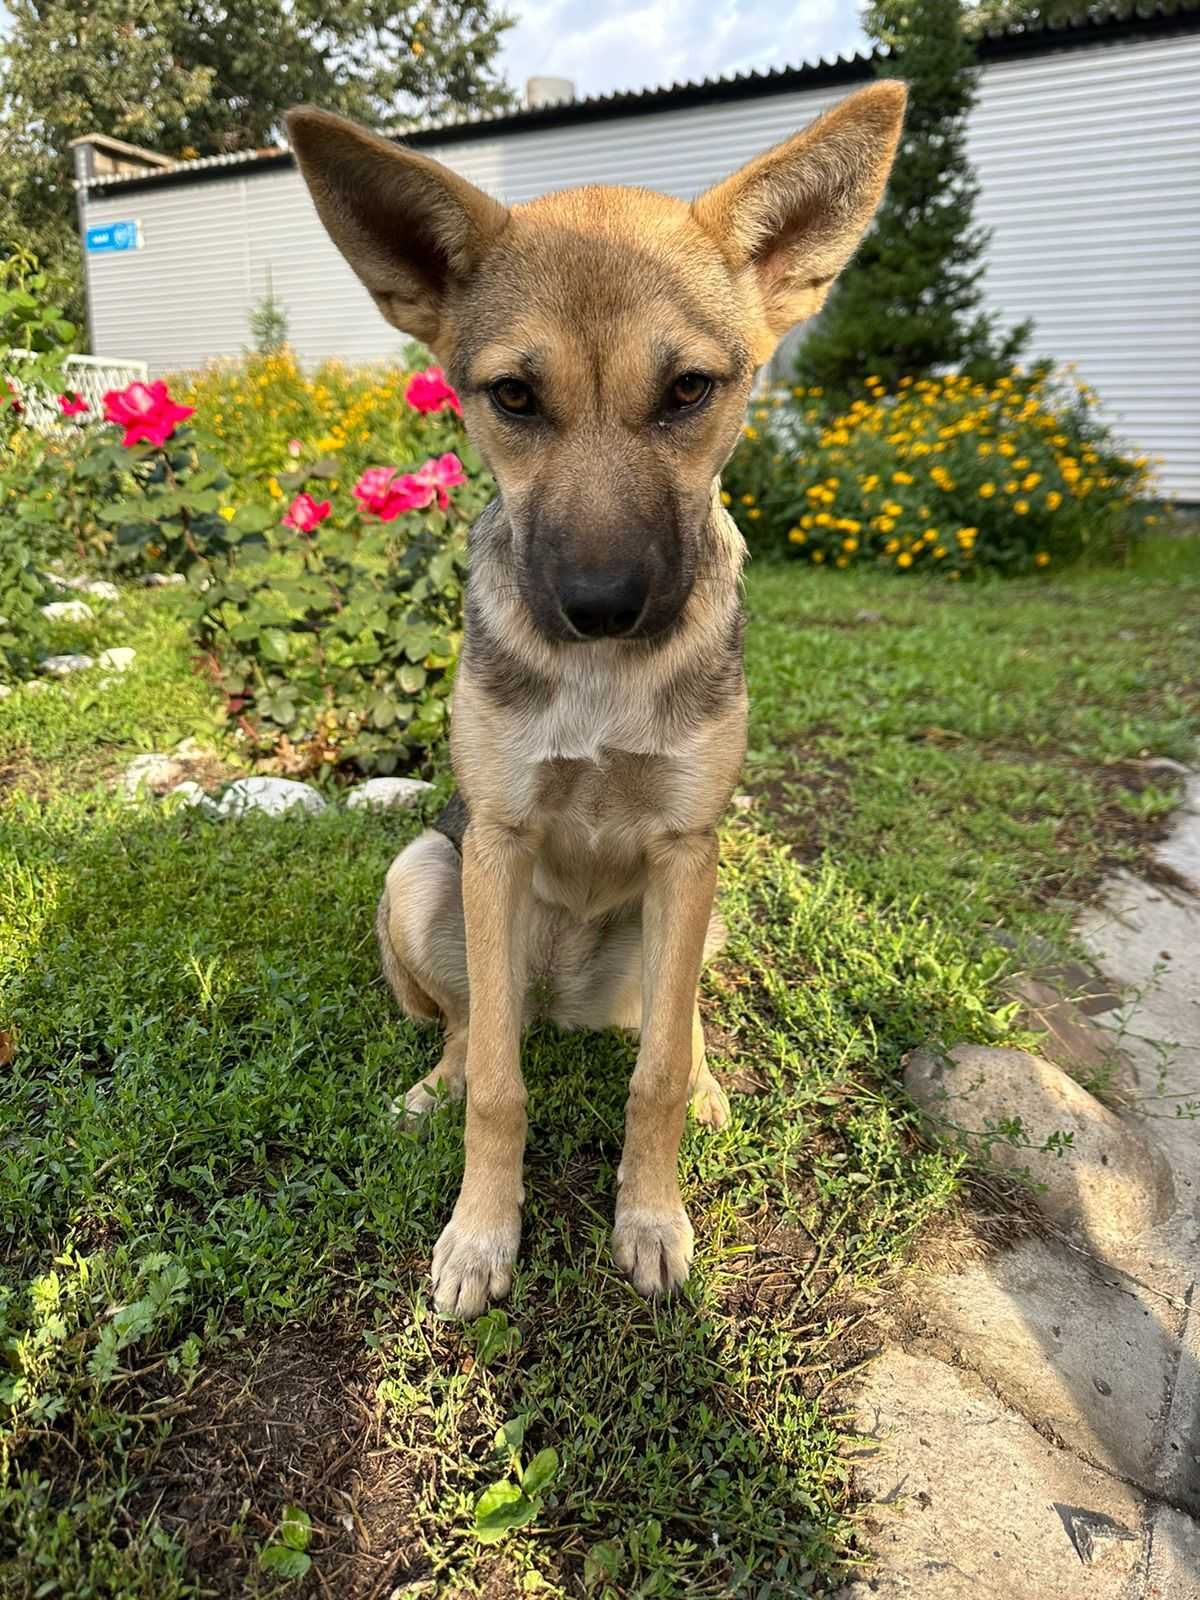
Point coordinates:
[(1173, 1570), (969, 1503), (1086, 1355)]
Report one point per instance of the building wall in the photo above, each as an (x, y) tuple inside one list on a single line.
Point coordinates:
[(1090, 183)]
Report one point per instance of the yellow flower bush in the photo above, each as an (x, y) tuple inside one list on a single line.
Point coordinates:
[(945, 474)]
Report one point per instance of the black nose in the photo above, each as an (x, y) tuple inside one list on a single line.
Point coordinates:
[(605, 603)]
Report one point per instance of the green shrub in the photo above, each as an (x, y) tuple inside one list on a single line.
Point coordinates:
[(944, 474)]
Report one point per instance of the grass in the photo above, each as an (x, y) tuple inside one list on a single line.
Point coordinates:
[(215, 1233)]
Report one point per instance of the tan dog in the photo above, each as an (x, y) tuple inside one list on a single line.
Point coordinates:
[(604, 342)]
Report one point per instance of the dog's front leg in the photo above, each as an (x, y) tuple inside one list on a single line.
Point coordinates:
[(473, 1259), (652, 1237)]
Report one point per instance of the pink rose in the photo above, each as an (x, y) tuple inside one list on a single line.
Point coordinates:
[(387, 494), (72, 408), (304, 513), (145, 411), (428, 391), (440, 475)]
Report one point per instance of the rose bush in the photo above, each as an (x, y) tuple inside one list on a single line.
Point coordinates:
[(945, 474)]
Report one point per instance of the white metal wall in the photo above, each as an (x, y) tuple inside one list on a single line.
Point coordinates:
[(1089, 165)]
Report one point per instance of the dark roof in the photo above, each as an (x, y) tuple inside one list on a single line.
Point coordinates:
[(1122, 23)]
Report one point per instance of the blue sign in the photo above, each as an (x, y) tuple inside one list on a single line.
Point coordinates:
[(110, 236)]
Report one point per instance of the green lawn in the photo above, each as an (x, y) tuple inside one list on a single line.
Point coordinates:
[(216, 1233)]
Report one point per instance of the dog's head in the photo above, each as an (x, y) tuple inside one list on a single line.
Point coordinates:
[(604, 340)]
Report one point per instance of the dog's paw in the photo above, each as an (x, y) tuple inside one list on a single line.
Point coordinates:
[(472, 1267), (709, 1102), (430, 1092), (653, 1248)]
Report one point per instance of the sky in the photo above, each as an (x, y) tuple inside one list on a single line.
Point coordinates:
[(636, 44)]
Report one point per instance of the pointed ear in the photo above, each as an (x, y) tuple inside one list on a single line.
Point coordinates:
[(410, 228), (795, 215)]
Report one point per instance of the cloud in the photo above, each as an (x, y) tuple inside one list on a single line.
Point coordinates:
[(637, 44)]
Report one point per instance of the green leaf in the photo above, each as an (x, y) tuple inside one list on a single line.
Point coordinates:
[(602, 1562), (284, 1562), (296, 1528), (411, 679), (493, 1336), (499, 1509), (541, 1472), (510, 1436), (274, 644)]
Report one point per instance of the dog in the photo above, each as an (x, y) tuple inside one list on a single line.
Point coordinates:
[(604, 342)]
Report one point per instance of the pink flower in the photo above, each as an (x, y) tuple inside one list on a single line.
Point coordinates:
[(304, 513), (72, 408), (294, 448), (145, 411), (13, 400), (387, 494), (428, 391), (441, 475)]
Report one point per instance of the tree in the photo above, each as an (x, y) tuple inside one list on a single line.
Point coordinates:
[(912, 298), (204, 77)]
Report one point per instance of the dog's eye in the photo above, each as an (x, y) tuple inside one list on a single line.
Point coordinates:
[(514, 398), (688, 391)]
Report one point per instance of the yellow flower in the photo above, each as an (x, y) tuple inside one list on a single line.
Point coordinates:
[(1020, 466), (1006, 448), (1011, 486), (754, 515), (885, 524), (273, 489), (842, 561), (850, 544), (902, 477), (726, 498), (797, 536), (1053, 500), (1020, 507), (891, 546), (818, 556), (939, 550), (331, 441), (1042, 559), (747, 499), (904, 559), (1031, 480), (751, 433), (869, 483)]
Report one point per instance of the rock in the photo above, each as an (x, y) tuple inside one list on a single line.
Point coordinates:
[(1089, 1354), (119, 659), (1073, 1040), (272, 796), (1094, 1535), (154, 772), (190, 794), (99, 588), (1104, 1186), (60, 666), (967, 1498), (68, 611), (161, 580), (387, 794), (190, 750), (1174, 1556)]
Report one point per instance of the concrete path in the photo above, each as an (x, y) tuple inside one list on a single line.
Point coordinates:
[(1034, 1434)]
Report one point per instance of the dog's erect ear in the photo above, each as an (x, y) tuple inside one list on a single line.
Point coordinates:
[(409, 227), (795, 215)]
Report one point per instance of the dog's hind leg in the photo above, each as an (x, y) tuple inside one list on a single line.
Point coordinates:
[(422, 946), (708, 1101)]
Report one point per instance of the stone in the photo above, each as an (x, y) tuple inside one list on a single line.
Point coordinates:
[(161, 580), (189, 794), (60, 666), (387, 794), (966, 1496), (1088, 1354), (98, 588), (1104, 1187), (68, 611), (271, 796), (1073, 1040), (119, 659), (154, 772)]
